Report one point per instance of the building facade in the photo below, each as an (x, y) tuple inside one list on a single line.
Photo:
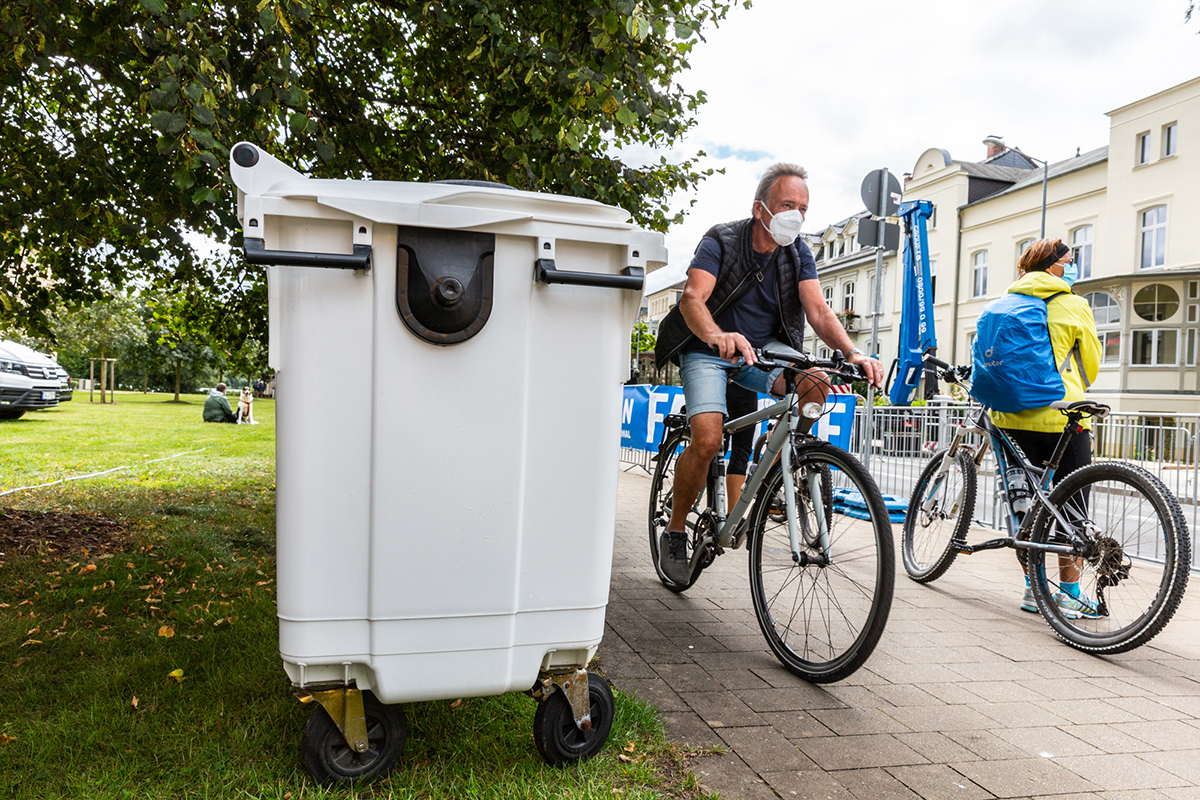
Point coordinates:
[(1123, 209)]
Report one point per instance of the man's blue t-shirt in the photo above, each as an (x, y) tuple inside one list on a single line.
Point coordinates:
[(755, 314)]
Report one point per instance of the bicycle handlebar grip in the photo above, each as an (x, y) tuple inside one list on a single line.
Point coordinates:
[(937, 362)]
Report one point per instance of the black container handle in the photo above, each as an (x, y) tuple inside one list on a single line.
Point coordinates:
[(256, 253), (544, 271)]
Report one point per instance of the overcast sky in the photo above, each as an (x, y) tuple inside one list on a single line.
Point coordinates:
[(844, 88)]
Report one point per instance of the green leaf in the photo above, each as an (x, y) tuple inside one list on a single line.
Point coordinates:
[(684, 31), (155, 7), (297, 123), (204, 115), (203, 138), (475, 53), (520, 117), (183, 178), (168, 121), (625, 116)]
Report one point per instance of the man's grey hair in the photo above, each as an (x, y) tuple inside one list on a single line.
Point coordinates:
[(221, 388), (774, 173)]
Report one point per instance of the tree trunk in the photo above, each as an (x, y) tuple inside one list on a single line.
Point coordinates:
[(178, 368), (103, 374)]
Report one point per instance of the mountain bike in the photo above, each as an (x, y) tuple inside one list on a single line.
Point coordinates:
[(821, 558), (1113, 523)]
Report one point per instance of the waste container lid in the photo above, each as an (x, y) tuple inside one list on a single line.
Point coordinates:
[(259, 174)]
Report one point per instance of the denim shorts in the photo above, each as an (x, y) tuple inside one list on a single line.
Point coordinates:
[(705, 376)]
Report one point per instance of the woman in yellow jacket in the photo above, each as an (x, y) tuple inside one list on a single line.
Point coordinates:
[(1045, 270)]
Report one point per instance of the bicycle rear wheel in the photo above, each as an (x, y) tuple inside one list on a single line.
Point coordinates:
[(823, 621), (939, 511), (661, 489), (1135, 565)]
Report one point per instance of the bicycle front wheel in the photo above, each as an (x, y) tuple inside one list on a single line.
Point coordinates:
[(822, 620), (939, 512), (1134, 568)]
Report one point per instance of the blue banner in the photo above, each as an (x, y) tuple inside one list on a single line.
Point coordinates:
[(645, 407)]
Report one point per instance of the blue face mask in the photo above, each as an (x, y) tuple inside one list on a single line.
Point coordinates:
[(1070, 272)]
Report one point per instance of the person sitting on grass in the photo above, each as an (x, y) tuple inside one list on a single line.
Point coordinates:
[(216, 407)]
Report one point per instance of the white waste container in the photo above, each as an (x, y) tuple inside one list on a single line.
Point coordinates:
[(449, 363)]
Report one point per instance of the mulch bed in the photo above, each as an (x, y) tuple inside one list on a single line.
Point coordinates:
[(22, 531)]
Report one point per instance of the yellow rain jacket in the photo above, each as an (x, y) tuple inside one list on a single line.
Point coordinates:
[(1070, 319)]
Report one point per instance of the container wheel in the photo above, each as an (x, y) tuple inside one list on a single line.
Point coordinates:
[(327, 757), (557, 737)]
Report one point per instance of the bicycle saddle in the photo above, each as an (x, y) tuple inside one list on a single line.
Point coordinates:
[(1097, 410)]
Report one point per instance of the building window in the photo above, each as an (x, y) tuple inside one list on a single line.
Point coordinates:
[(1143, 148), (842, 248), (848, 296), (1193, 290), (970, 341), (1193, 314), (979, 270), (932, 219), (829, 296), (1191, 347), (1156, 347), (932, 280), (820, 253), (1154, 237), (1156, 302), (824, 353), (1081, 250), (1169, 135), (1104, 308), (1110, 348)]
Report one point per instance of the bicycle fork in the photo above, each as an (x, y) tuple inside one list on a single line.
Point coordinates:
[(816, 498)]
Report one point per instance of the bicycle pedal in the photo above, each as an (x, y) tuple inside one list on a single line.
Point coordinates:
[(961, 547)]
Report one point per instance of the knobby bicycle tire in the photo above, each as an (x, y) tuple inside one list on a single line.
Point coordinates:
[(1143, 565), (927, 536), (823, 622), (660, 500)]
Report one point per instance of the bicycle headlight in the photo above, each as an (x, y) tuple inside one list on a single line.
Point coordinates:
[(812, 410)]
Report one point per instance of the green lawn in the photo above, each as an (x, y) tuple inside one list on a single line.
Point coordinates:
[(88, 640)]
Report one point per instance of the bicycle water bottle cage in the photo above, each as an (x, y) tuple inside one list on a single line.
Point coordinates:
[(444, 282)]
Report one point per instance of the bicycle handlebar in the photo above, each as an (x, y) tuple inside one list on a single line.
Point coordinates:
[(837, 365), (948, 372)]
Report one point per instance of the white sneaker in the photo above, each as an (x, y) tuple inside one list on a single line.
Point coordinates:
[(1027, 601), (1082, 607)]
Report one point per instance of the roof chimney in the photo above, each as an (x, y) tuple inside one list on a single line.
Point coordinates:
[(995, 145)]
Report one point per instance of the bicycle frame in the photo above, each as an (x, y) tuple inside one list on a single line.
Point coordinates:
[(728, 526), (1039, 480)]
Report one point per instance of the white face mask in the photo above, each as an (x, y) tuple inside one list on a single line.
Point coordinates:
[(785, 226)]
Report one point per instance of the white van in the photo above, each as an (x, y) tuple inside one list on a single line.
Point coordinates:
[(28, 380)]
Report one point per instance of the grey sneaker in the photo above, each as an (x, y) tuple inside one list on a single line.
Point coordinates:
[(1082, 607), (673, 556), (1027, 601)]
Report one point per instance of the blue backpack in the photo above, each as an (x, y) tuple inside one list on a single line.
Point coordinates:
[(1014, 368)]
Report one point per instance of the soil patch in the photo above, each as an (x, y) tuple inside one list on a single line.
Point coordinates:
[(22, 531)]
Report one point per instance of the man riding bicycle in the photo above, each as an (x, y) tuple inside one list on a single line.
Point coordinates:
[(750, 283)]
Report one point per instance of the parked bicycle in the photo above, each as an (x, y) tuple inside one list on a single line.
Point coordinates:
[(1114, 524), (822, 563)]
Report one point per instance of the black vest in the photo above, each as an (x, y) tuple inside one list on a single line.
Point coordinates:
[(737, 270)]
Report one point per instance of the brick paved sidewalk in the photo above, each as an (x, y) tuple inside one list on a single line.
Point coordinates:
[(965, 697)]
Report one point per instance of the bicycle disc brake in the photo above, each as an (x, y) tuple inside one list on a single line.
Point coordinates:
[(704, 534)]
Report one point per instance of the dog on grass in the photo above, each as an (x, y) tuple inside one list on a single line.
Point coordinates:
[(245, 409)]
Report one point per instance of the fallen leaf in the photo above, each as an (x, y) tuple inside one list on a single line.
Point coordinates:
[(134, 702), (32, 632), (32, 641), (624, 757), (177, 674), (5, 738), (166, 631), (630, 748), (456, 703), (87, 569)]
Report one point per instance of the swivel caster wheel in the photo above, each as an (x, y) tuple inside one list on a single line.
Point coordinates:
[(557, 737), (327, 757)]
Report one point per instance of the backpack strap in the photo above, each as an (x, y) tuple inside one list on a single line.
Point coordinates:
[(1074, 354)]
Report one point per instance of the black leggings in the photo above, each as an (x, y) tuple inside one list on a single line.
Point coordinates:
[(740, 401), (1038, 447)]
